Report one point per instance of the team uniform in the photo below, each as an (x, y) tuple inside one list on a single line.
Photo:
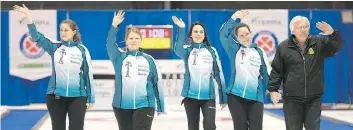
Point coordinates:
[(138, 88)]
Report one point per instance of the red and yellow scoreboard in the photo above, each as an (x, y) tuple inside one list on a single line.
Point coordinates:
[(155, 36)]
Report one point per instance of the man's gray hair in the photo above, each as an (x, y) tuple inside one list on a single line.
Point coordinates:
[(295, 20)]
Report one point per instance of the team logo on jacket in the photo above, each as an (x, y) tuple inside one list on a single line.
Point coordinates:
[(267, 41), (29, 48)]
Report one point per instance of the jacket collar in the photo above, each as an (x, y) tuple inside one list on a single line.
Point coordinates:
[(135, 53), (252, 45), (198, 45), (70, 43), (293, 42)]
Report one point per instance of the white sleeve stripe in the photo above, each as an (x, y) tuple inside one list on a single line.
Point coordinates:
[(121, 50), (51, 40), (186, 46), (219, 67), (89, 63), (268, 66)]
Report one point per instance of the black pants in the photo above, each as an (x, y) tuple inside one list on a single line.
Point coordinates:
[(246, 114), (192, 108), (59, 107), (299, 111), (134, 119)]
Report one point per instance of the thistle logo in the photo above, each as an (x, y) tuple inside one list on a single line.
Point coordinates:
[(29, 48), (63, 52), (128, 65), (195, 56), (267, 41)]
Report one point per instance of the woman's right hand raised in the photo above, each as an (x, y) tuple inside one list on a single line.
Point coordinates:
[(118, 18), (24, 10), (240, 14), (178, 22)]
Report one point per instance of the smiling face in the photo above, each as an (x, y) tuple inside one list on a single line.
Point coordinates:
[(301, 29), (133, 39), (244, 35), (66, 32), (198, 34)]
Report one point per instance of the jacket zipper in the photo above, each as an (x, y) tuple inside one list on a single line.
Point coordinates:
[(135, 83), (302, 54), (68, 78), (304, 75), (199, 77)]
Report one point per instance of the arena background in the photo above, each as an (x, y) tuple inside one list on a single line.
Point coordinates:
[(26, 69)]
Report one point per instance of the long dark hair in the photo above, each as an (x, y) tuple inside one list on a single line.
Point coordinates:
[(205, 40)]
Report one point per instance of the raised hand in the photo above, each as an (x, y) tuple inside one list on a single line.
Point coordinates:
[(24, 10), (178, 22), (118, 18), (240, 14), (325, 28)]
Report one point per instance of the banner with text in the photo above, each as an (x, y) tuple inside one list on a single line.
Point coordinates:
[(269, 28), (27, 59)]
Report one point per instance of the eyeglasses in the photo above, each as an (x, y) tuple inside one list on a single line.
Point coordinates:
[(302, 27)]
